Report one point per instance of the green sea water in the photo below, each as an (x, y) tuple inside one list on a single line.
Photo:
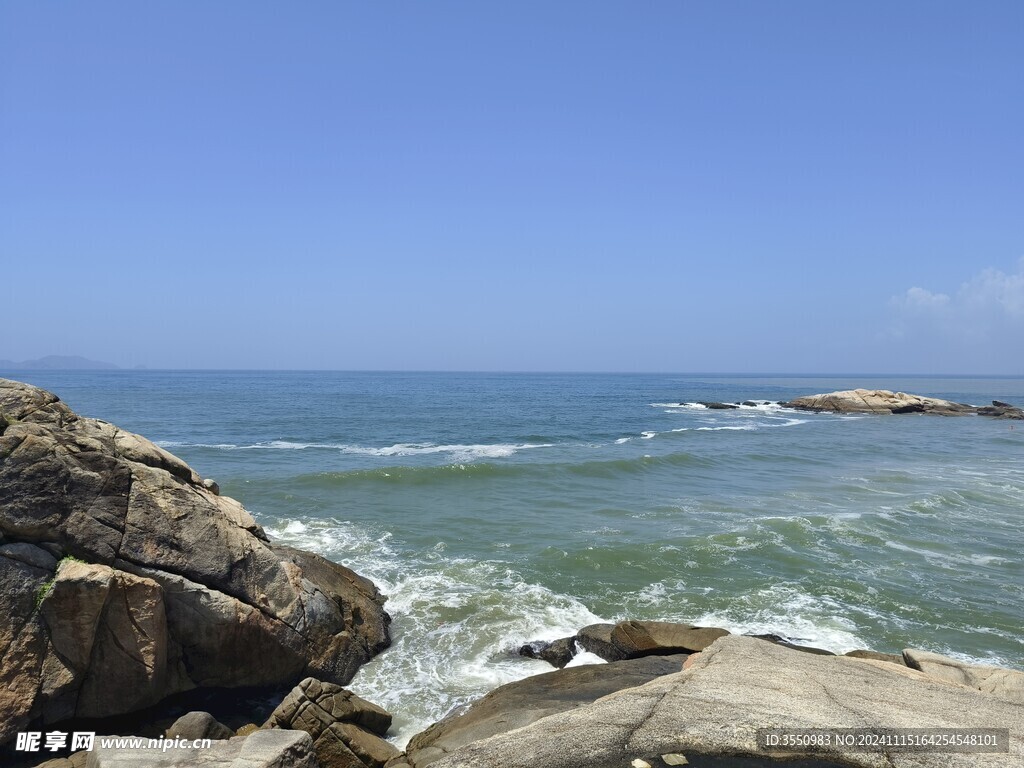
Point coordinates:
[(494, 509)]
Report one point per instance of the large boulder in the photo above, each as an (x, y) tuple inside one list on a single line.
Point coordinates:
[(525, 701), (124, 578), (714, 708)]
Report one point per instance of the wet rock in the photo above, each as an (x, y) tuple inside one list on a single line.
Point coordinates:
[(1001, 410), (597, 639), (647, 638), (557, 653)]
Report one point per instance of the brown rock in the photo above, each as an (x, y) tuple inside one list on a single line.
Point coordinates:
[(313, 705), (597, 639), (178, 587), (198, 725), (372, 750), (647, 638), (339, 722)]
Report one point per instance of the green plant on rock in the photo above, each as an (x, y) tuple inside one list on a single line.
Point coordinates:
[(44, 590), (47, 587)]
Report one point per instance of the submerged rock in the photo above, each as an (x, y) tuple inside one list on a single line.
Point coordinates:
[(124, 578)]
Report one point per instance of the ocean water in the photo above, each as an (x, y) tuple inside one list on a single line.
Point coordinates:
[(494, 509)]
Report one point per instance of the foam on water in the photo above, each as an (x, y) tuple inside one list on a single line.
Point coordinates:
[(788, 611), (459, 452), (583, 658), (457, 623)]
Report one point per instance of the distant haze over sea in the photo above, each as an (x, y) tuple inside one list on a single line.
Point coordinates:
[(57, 363)]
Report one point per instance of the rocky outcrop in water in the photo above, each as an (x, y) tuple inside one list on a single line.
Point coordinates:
[(886, 402), (125, 578)]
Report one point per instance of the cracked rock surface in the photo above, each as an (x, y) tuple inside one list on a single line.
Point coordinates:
[(710, 712), (125, 578)]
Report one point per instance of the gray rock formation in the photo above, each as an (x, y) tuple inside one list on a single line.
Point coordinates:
[(523, 702), (736, 686), (886, 402), (1005, 684), (123, 578), (263, 749), (345, 729)]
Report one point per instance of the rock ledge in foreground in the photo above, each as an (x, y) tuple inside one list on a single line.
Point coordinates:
[(736, 686)]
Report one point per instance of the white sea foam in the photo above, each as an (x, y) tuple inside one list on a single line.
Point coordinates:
[(456, 622), (949, 559), (803, 619), (459, 452), (582, 658)]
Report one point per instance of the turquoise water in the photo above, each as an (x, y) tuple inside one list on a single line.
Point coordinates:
[(495, 509)]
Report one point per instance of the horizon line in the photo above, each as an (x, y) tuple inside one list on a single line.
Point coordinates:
[(510, 372)]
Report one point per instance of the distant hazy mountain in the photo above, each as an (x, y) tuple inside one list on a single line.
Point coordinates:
[(57, 363)]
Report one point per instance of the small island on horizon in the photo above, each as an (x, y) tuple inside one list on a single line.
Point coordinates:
[(58, 363)]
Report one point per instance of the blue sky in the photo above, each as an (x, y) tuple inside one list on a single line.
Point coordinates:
[(650, 186)]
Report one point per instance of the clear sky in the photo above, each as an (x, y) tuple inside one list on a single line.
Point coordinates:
[(633, 186)]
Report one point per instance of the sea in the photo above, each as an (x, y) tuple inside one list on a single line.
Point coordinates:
[(498, 509)]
